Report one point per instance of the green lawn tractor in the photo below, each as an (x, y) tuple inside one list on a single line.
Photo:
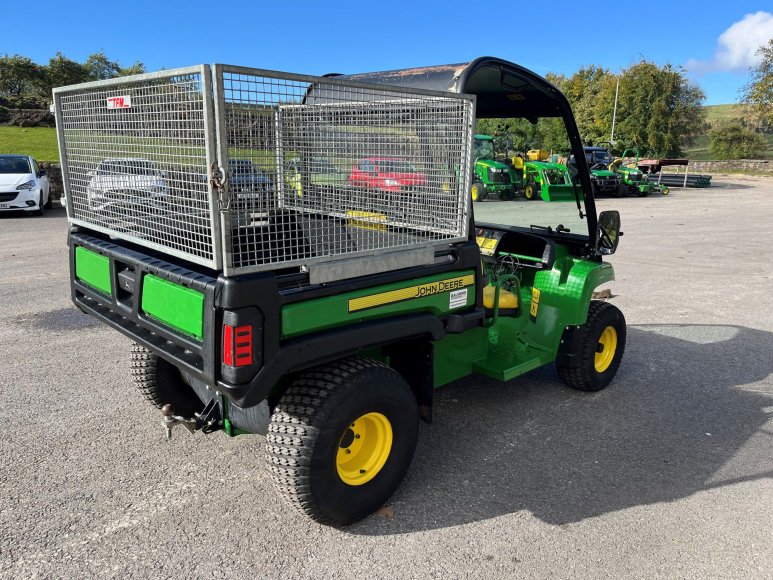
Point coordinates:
[(633, 179), (491, 178), (325, 318)]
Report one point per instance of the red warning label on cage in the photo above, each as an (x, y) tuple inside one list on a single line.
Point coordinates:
[(124, 102)]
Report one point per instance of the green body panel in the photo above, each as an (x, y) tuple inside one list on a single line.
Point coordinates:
[(323, 313), (93, 269), (455, 354), (567, 290), (517, 344), (174, 305), (510, 354)]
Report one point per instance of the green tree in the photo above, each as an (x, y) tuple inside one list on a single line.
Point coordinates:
[(62, 71), (99, 67), (659, 110), (759, 92), (136, 69), (591, 93), (21, 81), (734, 141)]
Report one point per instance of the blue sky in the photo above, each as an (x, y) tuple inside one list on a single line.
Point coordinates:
[(716, 45)]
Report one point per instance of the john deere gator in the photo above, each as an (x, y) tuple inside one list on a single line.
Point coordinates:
[(320, 315)]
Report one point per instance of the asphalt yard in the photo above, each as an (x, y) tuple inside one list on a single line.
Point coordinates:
[(667, 473)]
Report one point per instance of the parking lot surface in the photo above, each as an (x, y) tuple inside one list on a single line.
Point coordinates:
[(668, 472)]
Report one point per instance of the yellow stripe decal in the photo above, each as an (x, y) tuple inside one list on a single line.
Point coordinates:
[(411, 292)]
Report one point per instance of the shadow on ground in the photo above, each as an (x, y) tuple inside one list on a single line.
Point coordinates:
[(669, 426)]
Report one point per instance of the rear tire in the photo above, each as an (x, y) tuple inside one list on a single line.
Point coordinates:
[(599, 349), (160, 382), (341, 439)]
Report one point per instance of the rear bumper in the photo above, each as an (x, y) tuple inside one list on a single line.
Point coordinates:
[(120, 307)]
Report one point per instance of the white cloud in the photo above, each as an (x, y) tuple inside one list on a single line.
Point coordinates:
[(736, 46)]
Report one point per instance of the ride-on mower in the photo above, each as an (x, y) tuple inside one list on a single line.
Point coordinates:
[(632, 178), (490, 177), (320, 313)]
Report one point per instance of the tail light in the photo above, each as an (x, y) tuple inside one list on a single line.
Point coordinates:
[(237, 345)]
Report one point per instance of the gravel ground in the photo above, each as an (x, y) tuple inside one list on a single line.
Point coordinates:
[(666, 473)]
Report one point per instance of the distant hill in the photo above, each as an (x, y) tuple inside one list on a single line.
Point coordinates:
[(715, 114)]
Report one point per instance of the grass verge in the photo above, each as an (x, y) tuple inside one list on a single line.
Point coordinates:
[(40, 142)]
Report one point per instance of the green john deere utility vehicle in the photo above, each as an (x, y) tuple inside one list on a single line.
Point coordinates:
[(318, 313), (491, 178)]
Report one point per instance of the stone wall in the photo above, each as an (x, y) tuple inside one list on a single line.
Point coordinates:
[(27, 117), (54, 171), (762, 166)]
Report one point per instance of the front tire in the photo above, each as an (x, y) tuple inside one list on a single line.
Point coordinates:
[(598, 349), (39, 212), (341, 439), (477, 192)]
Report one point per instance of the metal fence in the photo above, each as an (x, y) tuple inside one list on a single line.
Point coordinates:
[(309, 169)]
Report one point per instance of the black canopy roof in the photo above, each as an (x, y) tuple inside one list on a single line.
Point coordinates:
[(503, 89)]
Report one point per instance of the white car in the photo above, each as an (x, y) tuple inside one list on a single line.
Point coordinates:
[(125, 181), (23, 185)]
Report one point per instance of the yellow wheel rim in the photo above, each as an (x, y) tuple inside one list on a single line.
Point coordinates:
[(475, 193), (605, 351), (364, 448), (529, 193)]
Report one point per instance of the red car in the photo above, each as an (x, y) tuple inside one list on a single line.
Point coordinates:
[(386, 173)]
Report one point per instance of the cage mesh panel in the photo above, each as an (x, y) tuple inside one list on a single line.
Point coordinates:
[(141, 171), (319, 170)]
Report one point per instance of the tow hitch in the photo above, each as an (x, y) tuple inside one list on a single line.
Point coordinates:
[(209, 419)]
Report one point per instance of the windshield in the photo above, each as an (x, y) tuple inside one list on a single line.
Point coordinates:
[(484, 149), (602, 157), (10, 165), (542, 195), (395, 166), (127, 167)]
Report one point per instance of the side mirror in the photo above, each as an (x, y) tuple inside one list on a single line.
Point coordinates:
[(608, 232), (42, 173)]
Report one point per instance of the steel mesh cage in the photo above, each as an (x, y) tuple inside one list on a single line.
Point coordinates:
[(322, 168), (246, 170), (136, 153)]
